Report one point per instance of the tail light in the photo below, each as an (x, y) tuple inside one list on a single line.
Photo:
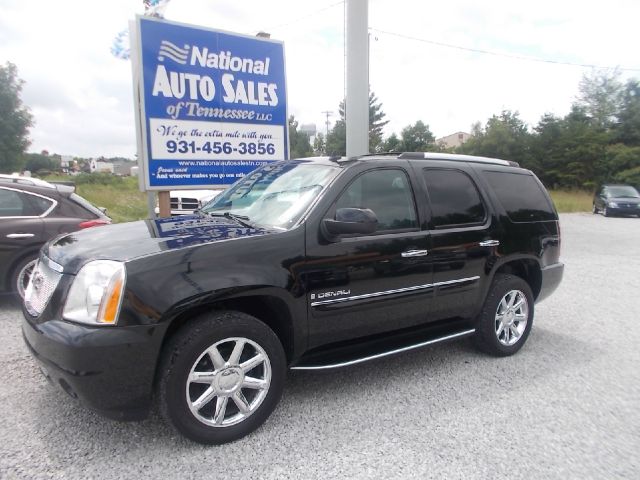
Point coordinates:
[(93, 223)]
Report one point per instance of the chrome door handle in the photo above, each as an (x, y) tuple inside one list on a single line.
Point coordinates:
[(489, 243), (414, 253), (20, 235)]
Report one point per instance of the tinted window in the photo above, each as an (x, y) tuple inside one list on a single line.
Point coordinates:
[(18, 204), (454, 198), (521, 196), (387, 193)]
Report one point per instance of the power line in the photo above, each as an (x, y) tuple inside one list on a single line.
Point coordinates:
[(311, 14), (499, 54)]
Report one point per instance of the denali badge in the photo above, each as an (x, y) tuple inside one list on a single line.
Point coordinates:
[(337, 293)]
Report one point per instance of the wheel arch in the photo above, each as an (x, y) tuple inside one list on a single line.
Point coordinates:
[(266, 307), (527, 268)]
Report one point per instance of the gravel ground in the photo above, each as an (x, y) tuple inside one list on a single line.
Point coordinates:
[(566, 406)]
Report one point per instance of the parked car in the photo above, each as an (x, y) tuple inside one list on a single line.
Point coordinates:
[(306, 264), (32, 212), (186, 202), (616, 200)]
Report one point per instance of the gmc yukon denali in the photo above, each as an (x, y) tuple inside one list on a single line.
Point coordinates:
[(306, 264)]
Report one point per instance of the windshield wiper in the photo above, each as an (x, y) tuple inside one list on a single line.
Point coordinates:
[(241, 219)]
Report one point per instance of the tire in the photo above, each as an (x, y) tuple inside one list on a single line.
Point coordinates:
[(606, 212), (21, 275), (595, 210), (208, 410), (493, 336)]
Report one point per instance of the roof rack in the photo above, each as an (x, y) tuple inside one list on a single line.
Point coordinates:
[(456, 158)]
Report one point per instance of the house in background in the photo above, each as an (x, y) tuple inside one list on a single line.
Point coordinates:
[(454, 140), (99, 166)]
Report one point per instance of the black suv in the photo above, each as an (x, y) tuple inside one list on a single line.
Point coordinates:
[(306, 264)]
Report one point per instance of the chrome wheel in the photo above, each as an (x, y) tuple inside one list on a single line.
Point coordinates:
[(511, 317), (228, 382), (23, 277)]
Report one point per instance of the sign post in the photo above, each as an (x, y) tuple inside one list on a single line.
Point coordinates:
[(211, 106)]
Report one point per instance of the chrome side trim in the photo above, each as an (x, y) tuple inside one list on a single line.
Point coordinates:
[(489, 243), (391, 292), (414, 253), (385, 354)]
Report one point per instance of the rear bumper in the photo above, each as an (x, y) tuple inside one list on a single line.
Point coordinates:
[(551, 278), (109, 369)]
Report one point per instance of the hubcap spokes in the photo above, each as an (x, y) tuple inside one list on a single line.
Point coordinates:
[(228, 382), (24, 276), (511, 317)]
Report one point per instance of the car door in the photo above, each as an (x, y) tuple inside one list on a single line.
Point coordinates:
[(359, 285), (464, 237), (21, 227)]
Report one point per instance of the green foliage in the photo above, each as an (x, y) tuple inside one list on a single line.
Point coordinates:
[(98, 179), (319, 146), (600, 97), (417, 138), (15, 120), (298, 141), (35, 162), (504, 136), (628, 126), (336, 141)]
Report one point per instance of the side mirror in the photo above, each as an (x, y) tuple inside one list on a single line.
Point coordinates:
[(350, 221)]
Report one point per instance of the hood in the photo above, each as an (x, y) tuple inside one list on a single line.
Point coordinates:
[(126, 241)]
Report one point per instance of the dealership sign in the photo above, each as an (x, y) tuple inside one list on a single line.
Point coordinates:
[(211, 105)]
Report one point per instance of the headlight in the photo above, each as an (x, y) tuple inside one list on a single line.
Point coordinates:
[(612, 204), (96, 293)]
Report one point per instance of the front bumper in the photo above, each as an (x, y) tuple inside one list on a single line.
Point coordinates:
[(551, 278), (624, 210), (109, 369)]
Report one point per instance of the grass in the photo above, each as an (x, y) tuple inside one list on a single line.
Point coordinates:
[(120, 196), (572, 201)]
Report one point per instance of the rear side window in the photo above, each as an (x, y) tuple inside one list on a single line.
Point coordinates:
[(19, 204), (521, 196), (454, 198), (85, 205)]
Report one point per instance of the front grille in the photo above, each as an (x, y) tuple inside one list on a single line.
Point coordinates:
[(190, 204), (42, 284)]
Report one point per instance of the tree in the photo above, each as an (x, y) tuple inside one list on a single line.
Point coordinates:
[(504, 136), (417, 138), (298, 141), (600, 96), (337, 137), (392, 144), (319, 146), (15, 120), (628, 126)]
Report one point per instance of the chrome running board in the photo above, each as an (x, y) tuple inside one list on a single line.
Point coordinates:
[(385, 354)]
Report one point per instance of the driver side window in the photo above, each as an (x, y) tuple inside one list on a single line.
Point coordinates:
[(388, 193)]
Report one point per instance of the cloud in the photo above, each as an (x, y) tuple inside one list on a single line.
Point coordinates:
[(81, 96)]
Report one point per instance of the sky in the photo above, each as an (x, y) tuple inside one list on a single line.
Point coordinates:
[(81, 95)]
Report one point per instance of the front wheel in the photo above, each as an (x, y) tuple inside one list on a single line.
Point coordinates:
[(506, 318), (606, 212), (222, 376)]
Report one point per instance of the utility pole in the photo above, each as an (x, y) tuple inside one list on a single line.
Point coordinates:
[(327, 114), (357, 104)]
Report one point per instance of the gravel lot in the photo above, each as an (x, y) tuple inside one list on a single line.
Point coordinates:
[(566, 406)]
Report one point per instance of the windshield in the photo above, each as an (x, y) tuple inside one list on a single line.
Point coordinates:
[(622, 191), (276, 195)]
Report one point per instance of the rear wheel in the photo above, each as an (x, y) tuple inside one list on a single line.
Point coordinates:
[(22, 274), (506, 318), (222, 376)]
